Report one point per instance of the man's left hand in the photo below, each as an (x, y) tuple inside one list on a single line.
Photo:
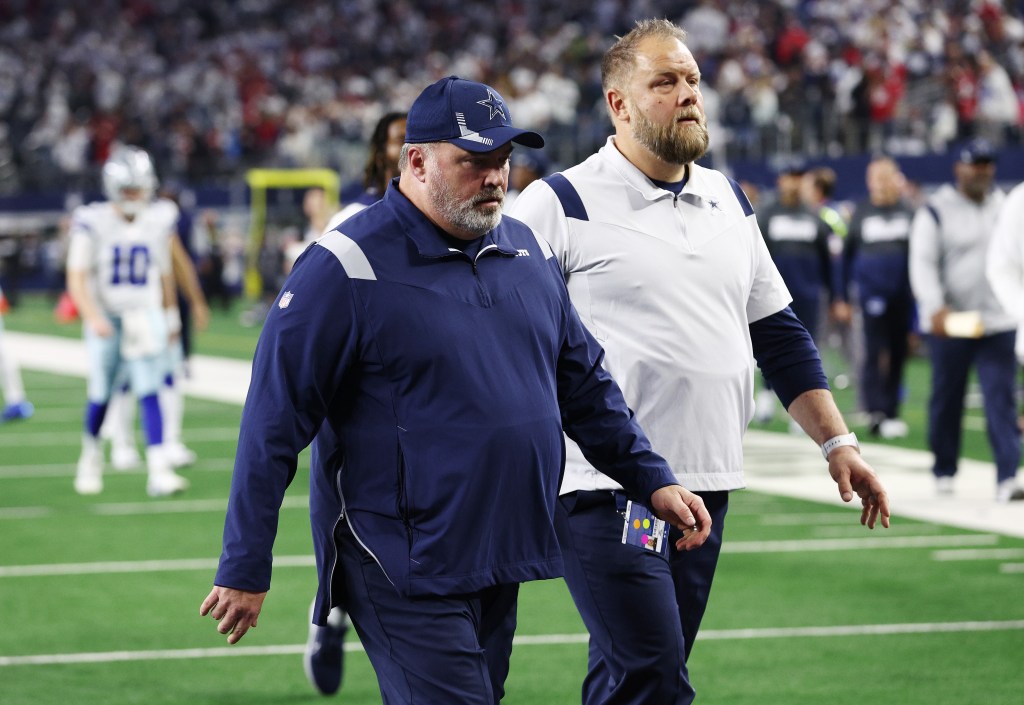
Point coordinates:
[(853, 475)]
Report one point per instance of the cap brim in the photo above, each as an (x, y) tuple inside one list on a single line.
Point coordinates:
[(489, 140)]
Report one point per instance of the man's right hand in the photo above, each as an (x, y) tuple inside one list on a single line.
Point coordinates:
[(684, 510), (236, 610), (939, 322), (101, 326)]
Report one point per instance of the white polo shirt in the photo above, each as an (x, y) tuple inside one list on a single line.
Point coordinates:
[(668, 285)]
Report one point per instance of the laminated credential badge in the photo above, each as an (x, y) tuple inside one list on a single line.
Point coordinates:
[(643, 529)]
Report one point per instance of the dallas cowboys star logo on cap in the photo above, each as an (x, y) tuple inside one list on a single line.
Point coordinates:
[(494, 104)]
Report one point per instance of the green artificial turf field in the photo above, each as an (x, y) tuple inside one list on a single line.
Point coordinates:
[(99, 596)]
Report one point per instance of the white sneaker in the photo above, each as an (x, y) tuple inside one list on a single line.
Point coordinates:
[(179, 456), (124, 458), (89, 476), (1009, 491), (764, 406), (944, 485), (893, 428), (165, 483), (163, 480)]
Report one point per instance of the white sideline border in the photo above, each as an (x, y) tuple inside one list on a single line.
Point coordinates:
[(532, 640)]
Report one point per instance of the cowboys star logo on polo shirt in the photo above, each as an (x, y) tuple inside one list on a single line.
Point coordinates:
[(494, 104)]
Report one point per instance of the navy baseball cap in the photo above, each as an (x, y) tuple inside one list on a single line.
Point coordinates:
[(791, 166), (468, 114), (978, 151)]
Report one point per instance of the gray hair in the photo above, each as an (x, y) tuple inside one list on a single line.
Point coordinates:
[(403, 159)]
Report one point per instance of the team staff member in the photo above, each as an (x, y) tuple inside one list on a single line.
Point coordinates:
[(798, 240), (949, 244), (875, 260), (665, 262), (433, 346)]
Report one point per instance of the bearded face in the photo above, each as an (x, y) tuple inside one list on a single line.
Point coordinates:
[(471, 215), (685, 139)]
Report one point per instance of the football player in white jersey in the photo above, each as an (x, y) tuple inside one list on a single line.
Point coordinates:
[(119, 276), (119, 425)]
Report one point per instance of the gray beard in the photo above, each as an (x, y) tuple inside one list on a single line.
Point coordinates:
[(463, 214), (675, 143)]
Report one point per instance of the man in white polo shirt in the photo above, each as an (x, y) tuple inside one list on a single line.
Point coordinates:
[(665, 263)]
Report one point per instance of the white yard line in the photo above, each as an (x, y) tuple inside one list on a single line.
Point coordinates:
[(880, 541), (21, 472), (29, 436), (736, 547), (523, 640), (186, 506), (980, 554), (110, 567)]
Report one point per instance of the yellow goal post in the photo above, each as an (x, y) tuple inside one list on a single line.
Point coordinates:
[(259, 182)]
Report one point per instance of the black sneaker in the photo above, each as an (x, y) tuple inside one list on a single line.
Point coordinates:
[(324, 659)]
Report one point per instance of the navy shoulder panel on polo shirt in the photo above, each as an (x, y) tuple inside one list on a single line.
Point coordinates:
[(571, 202)]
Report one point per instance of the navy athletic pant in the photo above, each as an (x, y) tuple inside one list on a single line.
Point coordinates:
[(886, 325), (951, 360), (626, 596), (448, 649)]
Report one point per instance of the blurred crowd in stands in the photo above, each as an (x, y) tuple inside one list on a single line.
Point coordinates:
[(211, 87)]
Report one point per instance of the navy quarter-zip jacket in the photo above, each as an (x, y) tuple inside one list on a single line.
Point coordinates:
[(437, 387)]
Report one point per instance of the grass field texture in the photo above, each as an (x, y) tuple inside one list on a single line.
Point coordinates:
[(99, 596)]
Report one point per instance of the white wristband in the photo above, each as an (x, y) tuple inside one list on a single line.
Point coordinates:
[(846, 439), (173, 317)]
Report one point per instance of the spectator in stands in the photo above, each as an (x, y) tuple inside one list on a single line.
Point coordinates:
[(262, 82)]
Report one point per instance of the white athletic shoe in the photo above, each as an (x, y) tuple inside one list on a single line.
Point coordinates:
[(179, 456), (89, 476), (1009, 491), (124, 458), (165, 483), (893, 428), (944, 485)]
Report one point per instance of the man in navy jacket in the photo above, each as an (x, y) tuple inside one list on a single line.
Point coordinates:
[(430, 347)]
